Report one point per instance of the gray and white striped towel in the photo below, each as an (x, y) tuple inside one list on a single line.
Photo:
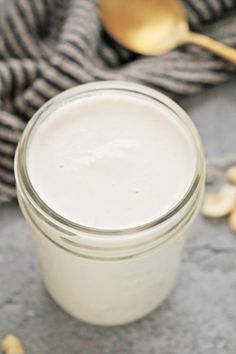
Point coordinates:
[(47, 46)]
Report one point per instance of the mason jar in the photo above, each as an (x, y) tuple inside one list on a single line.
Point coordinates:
[(102, 276)]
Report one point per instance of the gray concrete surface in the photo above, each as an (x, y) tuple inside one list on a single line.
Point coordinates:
[(198, 318)]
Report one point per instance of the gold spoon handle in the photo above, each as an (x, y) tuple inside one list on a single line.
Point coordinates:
[(213, 46)]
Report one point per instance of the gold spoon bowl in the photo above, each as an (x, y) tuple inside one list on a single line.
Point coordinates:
[(152, 27)]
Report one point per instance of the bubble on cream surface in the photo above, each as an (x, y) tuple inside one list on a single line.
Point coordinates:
[(111, 161)]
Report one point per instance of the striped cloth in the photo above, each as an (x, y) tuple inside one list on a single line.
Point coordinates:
[(47, 46)]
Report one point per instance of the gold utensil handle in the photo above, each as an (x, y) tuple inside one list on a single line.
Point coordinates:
[(213, 46)]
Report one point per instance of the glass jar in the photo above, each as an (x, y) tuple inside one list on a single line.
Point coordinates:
[(108, 277)]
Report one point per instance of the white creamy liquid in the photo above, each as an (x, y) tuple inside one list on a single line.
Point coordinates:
[(111, 161)]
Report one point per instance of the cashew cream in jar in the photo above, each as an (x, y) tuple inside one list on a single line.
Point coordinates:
[(109, 177)]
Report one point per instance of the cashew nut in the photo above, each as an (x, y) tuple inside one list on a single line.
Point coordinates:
[(231, 174), (12, 345), (220, 204)]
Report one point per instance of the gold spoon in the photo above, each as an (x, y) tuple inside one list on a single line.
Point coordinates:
[(152, 27)]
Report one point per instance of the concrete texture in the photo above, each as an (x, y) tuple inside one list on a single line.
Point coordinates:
[(198, 318)]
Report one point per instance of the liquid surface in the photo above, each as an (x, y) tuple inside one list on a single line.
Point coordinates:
[(111, 161)]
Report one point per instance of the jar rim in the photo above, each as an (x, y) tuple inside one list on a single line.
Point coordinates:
[(24, 183)]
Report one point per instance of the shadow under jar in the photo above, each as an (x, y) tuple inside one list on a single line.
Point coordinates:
[(109, 176)]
